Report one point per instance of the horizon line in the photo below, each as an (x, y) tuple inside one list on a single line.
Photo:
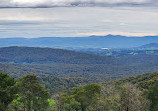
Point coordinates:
[(79, 36)]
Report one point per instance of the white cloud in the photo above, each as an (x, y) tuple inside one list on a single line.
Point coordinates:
[(128, 34), (51, 3), (78, 21)]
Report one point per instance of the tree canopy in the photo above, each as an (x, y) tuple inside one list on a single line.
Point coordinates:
[(7, 91), (33, 95)]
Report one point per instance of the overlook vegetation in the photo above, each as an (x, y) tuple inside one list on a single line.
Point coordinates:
[(27, 94), (143, 82), (56, 84)]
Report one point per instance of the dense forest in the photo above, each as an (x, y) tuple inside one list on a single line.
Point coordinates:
[(56, 84), (31, 93), (63, 80), (50, 55), (19, 61)]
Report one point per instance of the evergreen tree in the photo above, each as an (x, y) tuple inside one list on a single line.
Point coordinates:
[(7, 91), (153, 97), (72, 106), (33, 95)]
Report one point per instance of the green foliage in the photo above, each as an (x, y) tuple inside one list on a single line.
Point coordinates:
[(132, 100), (110, 96), (7, 91), (72, 106), (94, 97), (81, 98), (16, 104), (88, 95), (153, 97), (56, 84), (33, 94), (51, 102), (143, 81)]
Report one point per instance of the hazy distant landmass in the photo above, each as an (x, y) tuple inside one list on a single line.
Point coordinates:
[(109, 41)]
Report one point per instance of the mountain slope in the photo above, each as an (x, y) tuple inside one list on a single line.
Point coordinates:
[(151, 45), (49, 55), (18, 61), (56, 84), (143, 81), (94, 72)]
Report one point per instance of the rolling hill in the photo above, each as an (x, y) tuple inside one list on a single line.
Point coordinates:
[(50, 55), (151, 45), (57, 84), (143, 81), (18, 61)]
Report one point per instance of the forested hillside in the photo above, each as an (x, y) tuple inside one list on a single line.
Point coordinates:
[(151, 45), (132, 94), (143, 81), (50, 55), (18, 61), (56, 84), (94, 72)]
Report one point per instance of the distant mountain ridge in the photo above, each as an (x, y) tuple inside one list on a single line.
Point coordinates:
[(109, 41)]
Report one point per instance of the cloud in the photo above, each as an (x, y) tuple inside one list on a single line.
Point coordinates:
[(84, 3), (128, 34), (74, 22)]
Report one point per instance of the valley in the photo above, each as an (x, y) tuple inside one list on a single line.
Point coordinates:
[(18, 61)]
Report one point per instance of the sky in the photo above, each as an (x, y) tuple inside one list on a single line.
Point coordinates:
[(51, 3), (77, 18)]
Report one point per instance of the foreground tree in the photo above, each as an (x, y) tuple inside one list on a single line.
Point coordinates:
[(110, 96), (33, 95), (72, 106), (153, 97), (88, 96), (81, 98), (132, 99), (7, 91)]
